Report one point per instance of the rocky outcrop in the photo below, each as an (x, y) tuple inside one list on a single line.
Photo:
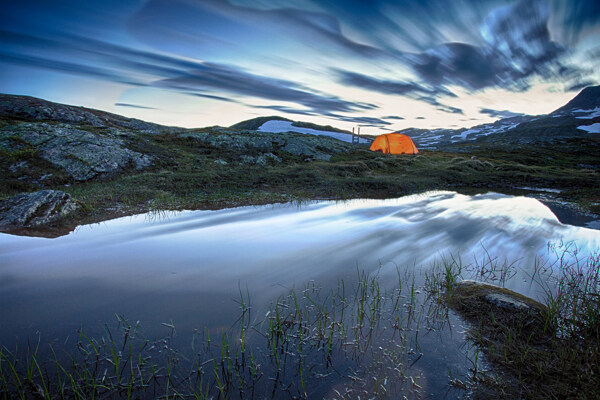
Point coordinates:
[(80, 153), (262, 160), (31, 108), (35, 209), (308, 147)]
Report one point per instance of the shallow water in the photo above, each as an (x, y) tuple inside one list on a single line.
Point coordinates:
[(188, 267)]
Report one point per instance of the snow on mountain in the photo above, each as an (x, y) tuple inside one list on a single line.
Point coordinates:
[(587, 114), (276, 126), (594, 128)]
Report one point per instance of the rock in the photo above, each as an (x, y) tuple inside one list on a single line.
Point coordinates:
[(221, 162), (262, 160), (80, 153), (505, 301), (305, 146), (35, 209), (473, 298)]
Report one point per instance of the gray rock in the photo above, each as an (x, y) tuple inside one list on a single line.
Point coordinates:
[(221, 162), (505, 301), (264, 159), (306, 146), (35, 209), (82, 154), (248, 160)]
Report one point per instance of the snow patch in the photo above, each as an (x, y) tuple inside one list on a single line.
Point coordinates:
[(465, 134), (591, 113), (275, 126), (539, 189), (594, 128)]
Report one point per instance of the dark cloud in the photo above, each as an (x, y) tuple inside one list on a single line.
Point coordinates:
[(578, 86), (499, 113), (364, 120), (518, 45), (214, 97), (408, 89), (65, 66), (392, 117), (420, 118), (125, 65), (358, 120), (288, 110), (134, 106), (458, 64), (388, 86), (439, 106), (209, 21), (233, 80)]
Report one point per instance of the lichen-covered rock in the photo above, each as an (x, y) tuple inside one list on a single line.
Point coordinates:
[(262, 160), (472, 294), (80, 153), (306, 146), (35, 209)]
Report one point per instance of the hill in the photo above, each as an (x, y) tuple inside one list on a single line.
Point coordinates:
[(255, 123), (587, 99)]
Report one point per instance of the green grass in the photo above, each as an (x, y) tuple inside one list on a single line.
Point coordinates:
[(549, 351)]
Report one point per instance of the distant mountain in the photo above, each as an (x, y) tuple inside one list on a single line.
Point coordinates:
[(255, 123), (579, 117), (587, 99), (276, 124)]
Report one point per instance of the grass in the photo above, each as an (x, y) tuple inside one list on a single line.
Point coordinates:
[(549, 350), (356, 337)]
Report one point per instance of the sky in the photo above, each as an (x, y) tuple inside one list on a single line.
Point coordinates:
[(383, 65)]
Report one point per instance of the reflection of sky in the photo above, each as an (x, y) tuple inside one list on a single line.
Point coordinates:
[(270, 245), (220, 61)]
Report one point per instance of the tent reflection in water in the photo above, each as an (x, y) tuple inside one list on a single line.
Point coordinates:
[(394, 143)]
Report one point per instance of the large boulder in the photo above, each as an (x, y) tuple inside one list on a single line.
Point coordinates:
[(80, 153), (35, 209)]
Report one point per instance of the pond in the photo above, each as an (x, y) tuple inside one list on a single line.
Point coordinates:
[(180, 273)]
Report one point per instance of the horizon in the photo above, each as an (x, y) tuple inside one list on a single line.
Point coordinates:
[(383, 66)]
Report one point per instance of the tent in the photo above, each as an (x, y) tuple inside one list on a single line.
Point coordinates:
[(394, 143)]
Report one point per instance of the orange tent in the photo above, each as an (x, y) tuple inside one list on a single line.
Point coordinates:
[(394, 143)]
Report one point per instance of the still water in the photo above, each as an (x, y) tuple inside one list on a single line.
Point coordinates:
[(187, 268)]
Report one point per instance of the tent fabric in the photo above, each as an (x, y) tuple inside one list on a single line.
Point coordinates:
[(394, 143)]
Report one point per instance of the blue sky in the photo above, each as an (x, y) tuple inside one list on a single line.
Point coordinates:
[(381, 64)]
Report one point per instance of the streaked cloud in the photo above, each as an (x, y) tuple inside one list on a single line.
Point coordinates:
[(351, 61), (135, 106), (499, 113)]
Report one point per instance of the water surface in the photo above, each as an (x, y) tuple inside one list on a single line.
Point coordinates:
[(188, 267)]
